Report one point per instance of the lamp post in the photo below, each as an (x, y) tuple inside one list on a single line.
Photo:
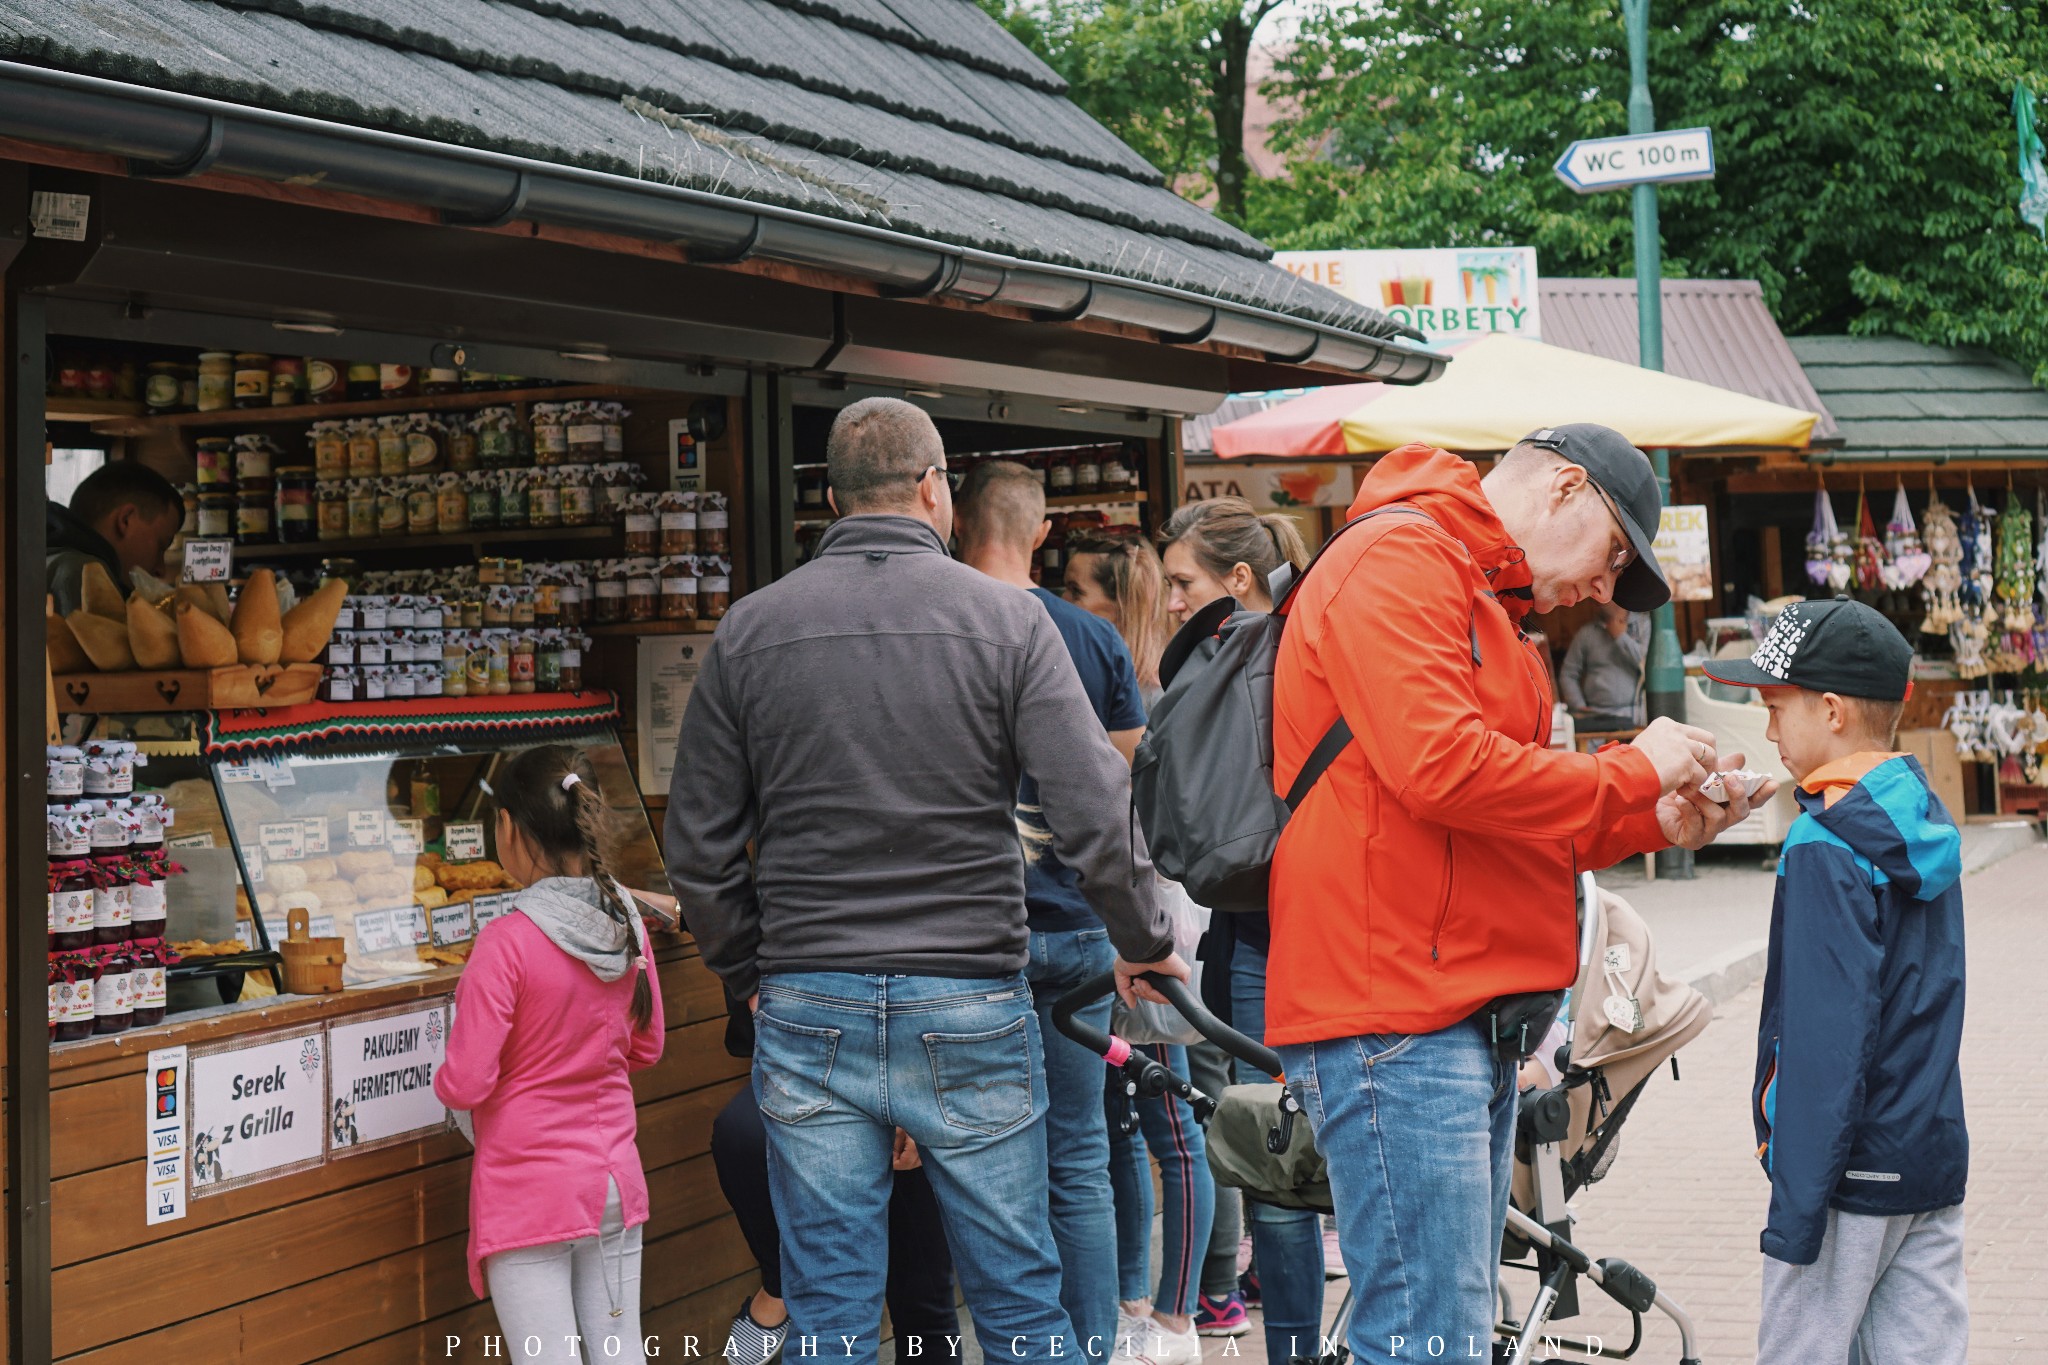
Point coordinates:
[(1666, 670)]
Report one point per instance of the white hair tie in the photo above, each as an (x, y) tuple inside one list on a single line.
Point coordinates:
[(571, 780)]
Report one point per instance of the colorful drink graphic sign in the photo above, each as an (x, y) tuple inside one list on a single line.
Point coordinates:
[(1448, 293)]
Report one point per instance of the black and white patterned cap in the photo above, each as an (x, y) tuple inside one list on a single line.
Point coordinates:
[(1841, 646)]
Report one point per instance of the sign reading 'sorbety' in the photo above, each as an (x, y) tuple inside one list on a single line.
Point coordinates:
[(1446, 293)]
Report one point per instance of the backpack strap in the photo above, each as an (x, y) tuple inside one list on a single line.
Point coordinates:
[(1338, 737), (1201, 626)]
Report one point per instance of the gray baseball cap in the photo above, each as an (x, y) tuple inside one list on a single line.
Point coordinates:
[(1624, 474)]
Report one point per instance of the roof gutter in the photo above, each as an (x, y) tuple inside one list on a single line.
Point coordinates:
[(168, 135)]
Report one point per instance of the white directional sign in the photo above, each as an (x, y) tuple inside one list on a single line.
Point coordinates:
[(1607, 163)]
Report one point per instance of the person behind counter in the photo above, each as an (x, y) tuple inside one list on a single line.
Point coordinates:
[(557, 1007), (124, 514), (1601, 678)]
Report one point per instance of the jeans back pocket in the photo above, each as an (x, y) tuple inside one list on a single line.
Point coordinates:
[(983, 1080), (794, 1064)]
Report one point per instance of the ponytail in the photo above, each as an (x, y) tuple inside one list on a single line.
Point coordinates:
[(1225, 532)]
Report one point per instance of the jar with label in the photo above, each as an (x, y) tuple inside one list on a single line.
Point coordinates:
[(522, 607), (254, 514), (547, 661), (572, 661), (397, 381), (373, 684), (56, 974), (612, 490), (331, 509), (550, 434), (476, 666), (609, 608), (255, 454), (216, 381), (438, 381), (451, 505), (391, 446), (458, 440), (151, 815), (544, 500), (252, 380), (643, 536), (431, 612), (74, 1020), (521, 666), (113, 1001), (572, 594), (63, 773), (160, 387), (579, 499), (613, 416), (498, 606), (712, 524), (287, 381), (147, 988), (498, 662), (339, 684), (515, 509), (678, 520), (329, 440), (422, 444), (148, 905), (213, 463), (363, 461), (362, 508), (583, 429), (296, 498), (643, 590), (1088, 470), (471, 613), (362, 381), (679, 588), (495, 447), (216, 515), (1059, 473), (324, 382), (390, 507), (480, 492), (110, 767), (419, 504), (400, 682), (454, 682), (72, 888), (70, 830), (714, 588)]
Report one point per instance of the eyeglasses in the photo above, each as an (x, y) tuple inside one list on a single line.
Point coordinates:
[(1626, 555)]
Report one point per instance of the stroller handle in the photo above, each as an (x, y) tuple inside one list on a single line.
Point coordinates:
[(1114, 1049)]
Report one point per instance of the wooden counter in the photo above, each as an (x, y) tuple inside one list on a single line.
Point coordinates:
[(362, 1259)]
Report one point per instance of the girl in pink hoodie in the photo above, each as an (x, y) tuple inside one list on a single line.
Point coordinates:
[(557, 1006)]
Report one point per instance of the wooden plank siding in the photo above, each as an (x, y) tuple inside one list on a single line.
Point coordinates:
[(362, 1259)]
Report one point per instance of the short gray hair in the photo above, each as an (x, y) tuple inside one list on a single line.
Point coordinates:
[(1001, 501), (877, 449)]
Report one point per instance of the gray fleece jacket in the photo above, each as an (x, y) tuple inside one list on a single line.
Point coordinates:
[(864, 721)]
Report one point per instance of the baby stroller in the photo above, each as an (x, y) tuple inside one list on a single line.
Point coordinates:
[(1624, 1020)]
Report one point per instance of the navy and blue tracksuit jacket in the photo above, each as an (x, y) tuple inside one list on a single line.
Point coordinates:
[(1858, 1100)]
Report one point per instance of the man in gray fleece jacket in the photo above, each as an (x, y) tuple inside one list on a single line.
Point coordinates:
[(863, 722)]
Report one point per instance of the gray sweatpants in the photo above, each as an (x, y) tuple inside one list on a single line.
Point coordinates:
[(548, 1297), (1891, 1288)]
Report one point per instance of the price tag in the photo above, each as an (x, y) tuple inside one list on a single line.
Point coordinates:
[(488, 908), (409, 922), (315, 827), (246, 932), (464, 842), (252, 863), (407, 837), (321, 926), (375, 932), (284, 841), (1616, 957), (451, 923), (366, 828), (209, 561), (277, 929), (203, 839), (1624, 1012)]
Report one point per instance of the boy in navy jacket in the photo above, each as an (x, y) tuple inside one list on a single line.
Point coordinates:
[(1858, 1103)]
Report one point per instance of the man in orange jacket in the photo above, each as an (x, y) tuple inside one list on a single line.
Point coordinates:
[(1433, 868)]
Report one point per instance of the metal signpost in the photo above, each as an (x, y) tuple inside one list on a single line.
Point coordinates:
[(1643, 160)]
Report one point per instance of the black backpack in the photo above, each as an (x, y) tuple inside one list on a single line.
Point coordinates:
[(1202, 780)]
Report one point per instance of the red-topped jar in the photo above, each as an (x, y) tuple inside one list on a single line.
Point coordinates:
[(112, 871), (73, 890), (113, 993), (57, 984), (146, 812), (146, 987), (64, 773), (75, 998)]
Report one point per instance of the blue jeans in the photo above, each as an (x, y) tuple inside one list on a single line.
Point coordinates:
[(842, 1060), (1076, 1137), (1287, 1244), (1418, 1130), (1171, 1134)]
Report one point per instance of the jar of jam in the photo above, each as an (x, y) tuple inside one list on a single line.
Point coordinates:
[(436, 381), (579, 503), (296, 502), (572, 662), (613, 416), (397, 381), (460, 441), (678, 515), (712, 524), (451, 505), (110, 767), (498, 607), (480, 497), (147, 815), (324, 382), (339, 684), (216, 381), (422, 445), (679, 588), (331, 507), (213, 462), (714, 589), (1087, 470), (253, 515), (614, 487), (574, 595), (252, 380), (146, 987), (583, 428), (148, 907), (75, 993), (216, 514), (476, 666), (362, 508), (514, 507), (522, 608), (643, 591), (113, 994), (330, 449), (547, 597), (373, 612), (550, 435), (498, 662), (56, 996), (63, 773), (472, 613), (160, 387), (391, 446), (521, 665), (547, 661), (390, 507), (454, 681), (363, 459), (287, 381), (399, 681), (362, 381), (421, 510), (254, 458), (495, 447), (1059, 474), (72, 889), (643, 534), (68, 830), (610, 606), (544, 500)]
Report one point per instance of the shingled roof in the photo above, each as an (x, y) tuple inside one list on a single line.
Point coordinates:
[(924, 117), (1897, 399)]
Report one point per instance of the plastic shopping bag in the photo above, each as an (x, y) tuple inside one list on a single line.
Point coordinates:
[(1149, 1022)]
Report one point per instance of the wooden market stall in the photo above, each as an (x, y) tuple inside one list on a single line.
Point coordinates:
[(710, 246)]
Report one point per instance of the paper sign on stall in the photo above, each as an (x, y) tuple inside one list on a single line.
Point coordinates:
[(315, 834), (668, 673), (382, 1086), (1685, 552), (488, 908), (163, 1136), (209, 561), (463, 842), (257, 1109), (283, 840), (451, 924), (407, 837), (375, 933), (366, 828)]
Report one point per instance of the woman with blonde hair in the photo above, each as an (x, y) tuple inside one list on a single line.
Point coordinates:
[(1119, 578), (1225, 548)]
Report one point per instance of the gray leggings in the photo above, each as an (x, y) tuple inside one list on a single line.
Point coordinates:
[(547, 1297)]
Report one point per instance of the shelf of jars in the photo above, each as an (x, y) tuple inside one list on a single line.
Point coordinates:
[(477, 543), (233, 417)]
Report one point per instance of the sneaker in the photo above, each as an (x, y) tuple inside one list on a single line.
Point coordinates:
[(1248, 1289), (1157, 1345), (749, 1343), (1224, 1317), (1133, 1335), (1333, 1259)]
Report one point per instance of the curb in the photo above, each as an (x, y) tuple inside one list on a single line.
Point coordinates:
[(1726, 975)]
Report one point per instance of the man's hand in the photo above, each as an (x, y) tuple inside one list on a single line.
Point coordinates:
[(1690, 820), (1130, 990), (1680, 753), (905, 1156), (754, 1003)]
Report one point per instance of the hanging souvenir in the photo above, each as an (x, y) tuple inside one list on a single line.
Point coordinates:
[(2015, 564), (1820, 540), (1943, 580), (1907, 559), (1869, 558), (1973, 528)]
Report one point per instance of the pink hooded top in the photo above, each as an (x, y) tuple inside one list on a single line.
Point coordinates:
[(540, 1053)]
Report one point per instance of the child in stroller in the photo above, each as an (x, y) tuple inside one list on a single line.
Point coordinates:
[(1623, 1021)]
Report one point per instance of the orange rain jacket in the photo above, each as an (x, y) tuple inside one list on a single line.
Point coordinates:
[(1435, 866)]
